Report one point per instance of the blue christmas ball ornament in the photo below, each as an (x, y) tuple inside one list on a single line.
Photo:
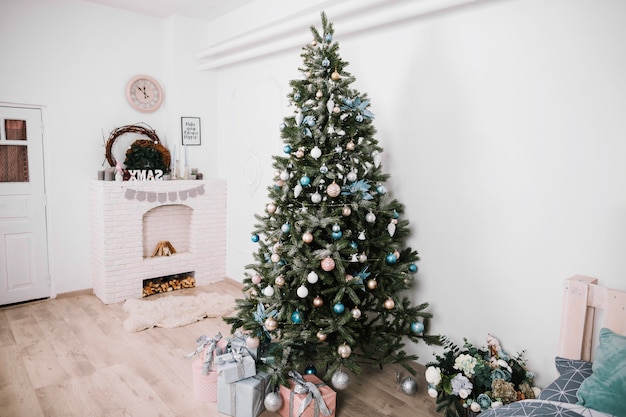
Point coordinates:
[(310, 370), (285, 228), (287, 149), (396, 214), (296, 317), (358, 118), (412, 268), (336, 228), (337, 235), (323, 169), (381, 189), (391, 259), (328, 38), (297, 96), (304, 181), (254, 238), (354, 245), (339, 308), (325, 62), (417, 327), (282, 126)]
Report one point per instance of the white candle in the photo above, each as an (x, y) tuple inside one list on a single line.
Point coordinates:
[(185, 155)]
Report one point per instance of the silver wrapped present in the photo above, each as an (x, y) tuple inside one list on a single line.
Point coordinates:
[(243, 398)]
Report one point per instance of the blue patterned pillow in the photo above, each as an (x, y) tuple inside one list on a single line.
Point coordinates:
[(572, 373)]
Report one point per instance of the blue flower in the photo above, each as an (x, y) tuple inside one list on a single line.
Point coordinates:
[(484, 401), (500, 374)]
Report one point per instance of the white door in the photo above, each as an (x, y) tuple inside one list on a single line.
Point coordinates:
[(23, 233)]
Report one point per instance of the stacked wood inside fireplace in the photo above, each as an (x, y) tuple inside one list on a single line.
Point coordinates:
[(168, 283)]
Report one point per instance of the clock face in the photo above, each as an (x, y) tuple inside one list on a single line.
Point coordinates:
[(144, 93)]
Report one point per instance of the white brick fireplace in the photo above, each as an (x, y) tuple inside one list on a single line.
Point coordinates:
[(129, 218)]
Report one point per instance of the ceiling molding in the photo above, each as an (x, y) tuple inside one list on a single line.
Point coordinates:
[(284, 34)]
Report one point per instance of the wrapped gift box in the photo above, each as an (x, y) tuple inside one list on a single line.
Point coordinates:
[(204, 386), (234, 366), (293, 400), (243, 398)]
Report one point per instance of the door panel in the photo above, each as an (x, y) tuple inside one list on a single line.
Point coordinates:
[(23, 233)]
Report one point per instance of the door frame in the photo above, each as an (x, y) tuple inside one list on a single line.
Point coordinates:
[(46, 176)]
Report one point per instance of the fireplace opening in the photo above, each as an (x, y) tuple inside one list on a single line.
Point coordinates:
[(168, 283), (169, 222)]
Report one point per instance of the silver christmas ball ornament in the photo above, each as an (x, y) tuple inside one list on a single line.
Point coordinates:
[(340, 380), (409, 386), (273, 402)]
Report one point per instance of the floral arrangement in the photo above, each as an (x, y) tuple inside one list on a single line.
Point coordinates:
[(467, 380)]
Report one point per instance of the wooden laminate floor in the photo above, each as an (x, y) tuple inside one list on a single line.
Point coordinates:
[(71, 357)]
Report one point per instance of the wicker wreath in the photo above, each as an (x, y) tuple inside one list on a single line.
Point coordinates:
[(154, 143)]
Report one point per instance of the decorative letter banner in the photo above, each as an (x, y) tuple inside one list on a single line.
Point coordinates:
[(152, 196)]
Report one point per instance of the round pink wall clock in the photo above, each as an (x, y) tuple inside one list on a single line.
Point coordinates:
[(144, 93)]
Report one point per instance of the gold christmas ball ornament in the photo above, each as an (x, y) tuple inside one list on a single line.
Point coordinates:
[(271, 208), (271, 324), (318, 301), (321, 336), (328, 264), (313, 42), (350, 146), (335, 76), (333, 190), (300, 153), (372, 284), (307, 237), (349, 277), (356, 313), (389, 304), (275, 258), (280, 280), (346, 211), (344, 351), (319, 94)]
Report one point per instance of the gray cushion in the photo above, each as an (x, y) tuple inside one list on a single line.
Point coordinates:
[(572, 373)]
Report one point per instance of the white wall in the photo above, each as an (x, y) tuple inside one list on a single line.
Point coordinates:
[(75, 58), (503, 129)]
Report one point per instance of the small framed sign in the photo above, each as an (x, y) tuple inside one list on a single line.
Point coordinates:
[(190, 130)]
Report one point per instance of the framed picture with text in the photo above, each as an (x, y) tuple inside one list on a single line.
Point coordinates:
[(190, 130)]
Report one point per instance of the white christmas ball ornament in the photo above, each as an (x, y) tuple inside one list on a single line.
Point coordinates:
[(316, 197), (268, 291), (351, 176), (316, 152), (302, 291), (273, 402), (284, 175), (312, 277), (370, 217)]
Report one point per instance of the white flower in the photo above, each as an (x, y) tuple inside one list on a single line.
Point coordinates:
[(463, 393), (475, 407), (496, 404), (537, 391), (502, 364), (465, 363), (432, 392), (433, 375)]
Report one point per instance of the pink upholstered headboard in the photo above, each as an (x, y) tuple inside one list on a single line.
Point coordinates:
[(587, 307)]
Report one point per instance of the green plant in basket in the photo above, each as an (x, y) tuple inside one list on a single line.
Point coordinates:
[(467, 379)]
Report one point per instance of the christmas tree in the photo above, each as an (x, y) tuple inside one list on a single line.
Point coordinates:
[(326, 289)]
